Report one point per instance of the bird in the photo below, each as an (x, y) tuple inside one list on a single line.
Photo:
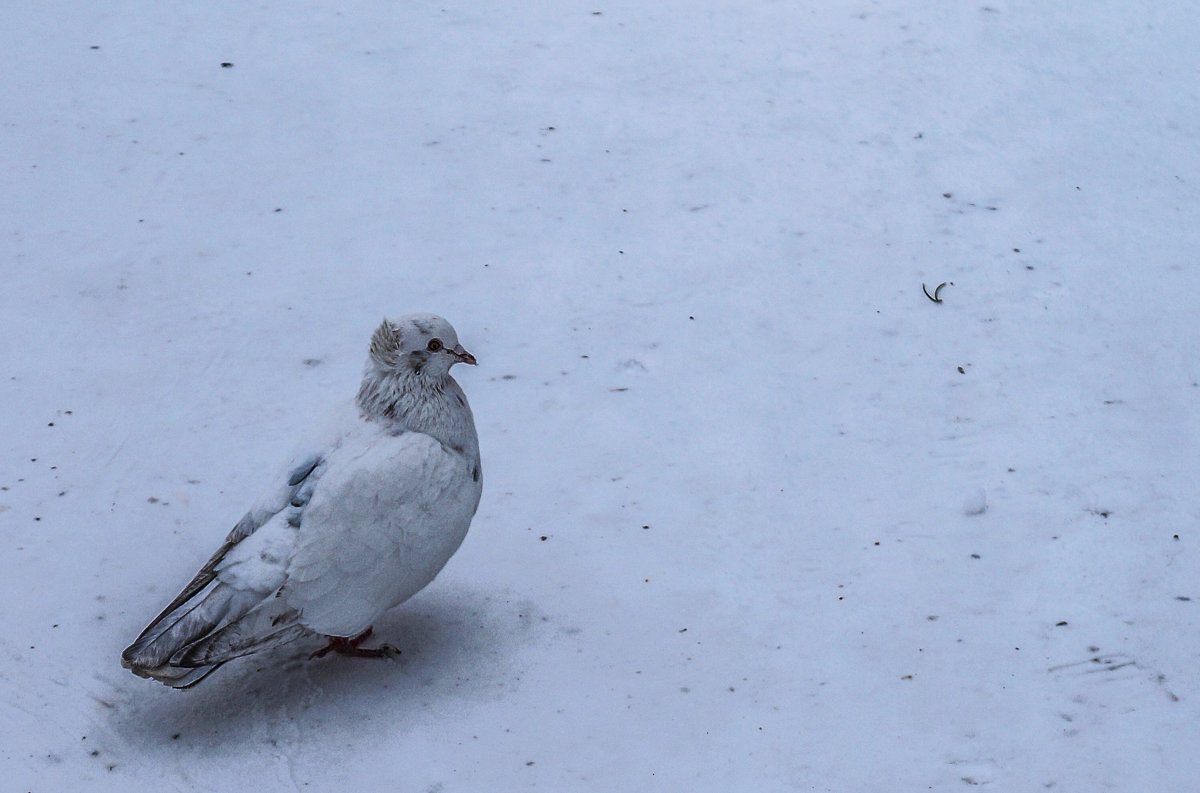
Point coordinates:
[(362, 517)]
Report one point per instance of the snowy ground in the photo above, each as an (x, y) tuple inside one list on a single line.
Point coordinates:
[(758, 515)]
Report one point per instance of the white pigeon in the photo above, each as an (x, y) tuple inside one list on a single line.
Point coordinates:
[(362, 520)]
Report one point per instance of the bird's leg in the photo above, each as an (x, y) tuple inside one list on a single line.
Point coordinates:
[(343, 646)]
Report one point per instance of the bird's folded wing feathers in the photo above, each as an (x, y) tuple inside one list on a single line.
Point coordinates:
[(301, 479)]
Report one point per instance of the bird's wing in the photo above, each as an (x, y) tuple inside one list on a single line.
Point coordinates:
[(301, 478), (386, 517)]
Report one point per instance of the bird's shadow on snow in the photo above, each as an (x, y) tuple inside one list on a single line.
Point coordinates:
[(456, 644)]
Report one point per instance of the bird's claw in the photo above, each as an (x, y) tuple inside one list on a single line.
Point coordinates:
[(388, 651), (343, 646)]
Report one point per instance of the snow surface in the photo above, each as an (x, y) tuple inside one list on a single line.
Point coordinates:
[(758, 514)]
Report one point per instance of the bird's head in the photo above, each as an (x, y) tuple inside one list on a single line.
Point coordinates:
[(421, 344)]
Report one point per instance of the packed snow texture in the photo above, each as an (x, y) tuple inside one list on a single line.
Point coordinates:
[(759, 515)]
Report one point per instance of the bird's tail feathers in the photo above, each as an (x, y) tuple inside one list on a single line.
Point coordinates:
[(219, 623), (260, 627)]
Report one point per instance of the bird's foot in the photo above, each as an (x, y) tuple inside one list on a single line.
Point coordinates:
[(350, 646)]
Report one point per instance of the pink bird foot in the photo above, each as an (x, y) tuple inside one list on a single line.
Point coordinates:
[(344, 646)]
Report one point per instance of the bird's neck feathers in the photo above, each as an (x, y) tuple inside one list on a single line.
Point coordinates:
[(410, 401)]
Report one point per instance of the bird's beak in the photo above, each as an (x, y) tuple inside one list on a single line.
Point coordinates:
[(462, 356)]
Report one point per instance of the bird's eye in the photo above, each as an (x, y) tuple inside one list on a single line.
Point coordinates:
[(434, 345)]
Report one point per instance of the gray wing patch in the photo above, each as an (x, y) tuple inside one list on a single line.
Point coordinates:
[(301, 472)]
